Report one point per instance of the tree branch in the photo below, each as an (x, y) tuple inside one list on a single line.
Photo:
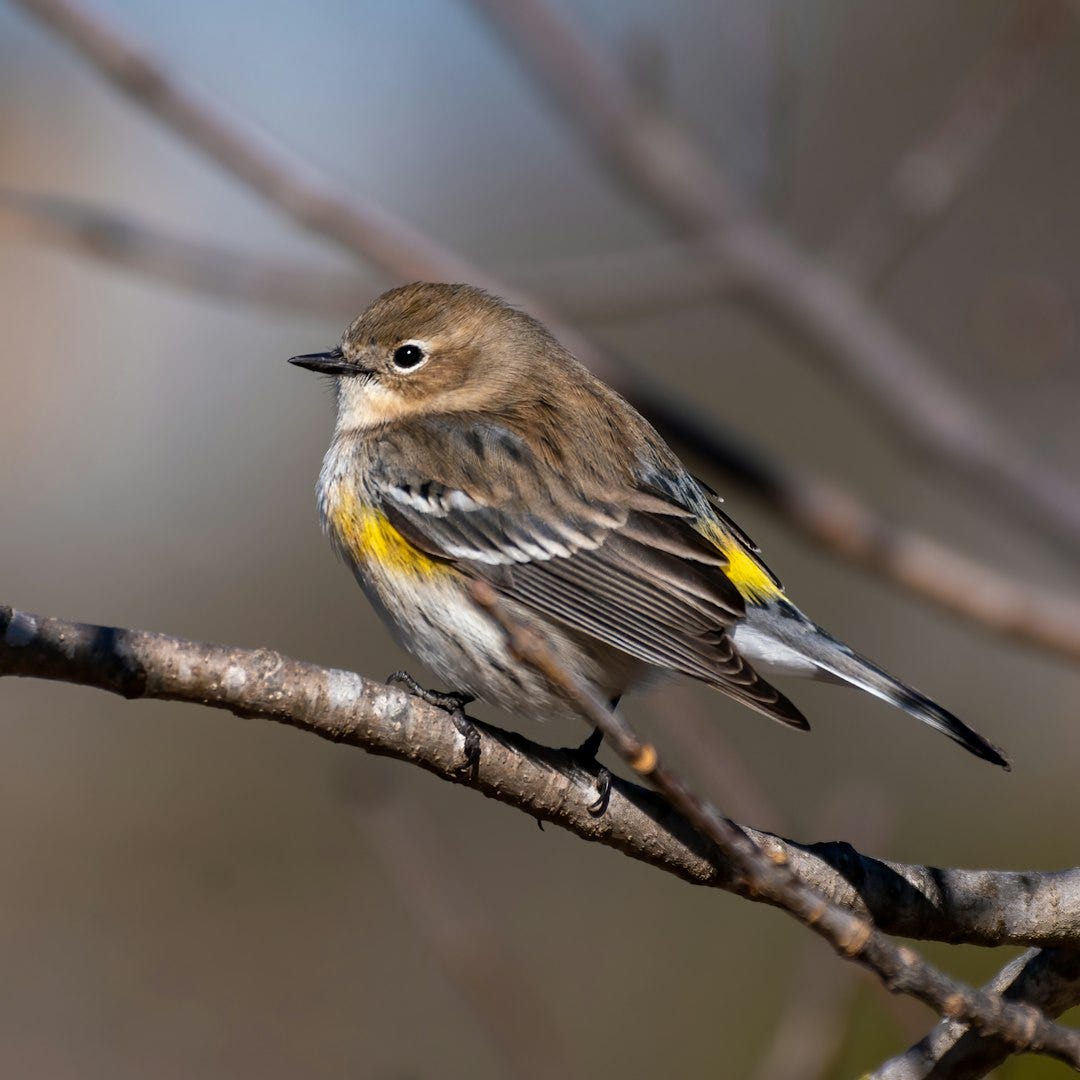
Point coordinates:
[(345, 707), (819, 510), (1048, 979), (981, 907), (816, 308), (762, 874)]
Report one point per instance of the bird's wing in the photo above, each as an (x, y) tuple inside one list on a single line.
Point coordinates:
[(623, 563), (745, 568)]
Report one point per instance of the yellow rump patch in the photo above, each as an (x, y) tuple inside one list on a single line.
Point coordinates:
[(368, 537), (747, 573)]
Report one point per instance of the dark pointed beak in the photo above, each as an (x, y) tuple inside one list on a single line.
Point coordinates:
[(326, 363)]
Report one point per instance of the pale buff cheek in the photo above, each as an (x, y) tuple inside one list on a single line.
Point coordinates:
[(363, 404), (369, 404)]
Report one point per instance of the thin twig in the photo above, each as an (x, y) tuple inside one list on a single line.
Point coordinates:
[(1048, 979), (852, 936), (931, 176), (831, 517), (815, 307), (979, 907)]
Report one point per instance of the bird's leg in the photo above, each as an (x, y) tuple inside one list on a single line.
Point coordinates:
[(453, 704), (591, 746), (585, 756)]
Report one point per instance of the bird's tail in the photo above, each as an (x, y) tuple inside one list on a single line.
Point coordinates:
[(837, 662)]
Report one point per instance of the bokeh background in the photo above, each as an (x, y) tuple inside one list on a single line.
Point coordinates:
[(185, 893)]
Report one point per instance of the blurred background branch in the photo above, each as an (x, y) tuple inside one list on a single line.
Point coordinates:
[(821, 312), (214, 269), (933, 174), (925, 184)]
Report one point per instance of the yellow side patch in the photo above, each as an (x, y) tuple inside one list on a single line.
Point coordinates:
[(368, 537), (744, 571)]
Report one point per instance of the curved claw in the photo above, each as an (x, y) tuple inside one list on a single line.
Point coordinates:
[(584, 756), (603, 793), (454, 704), (471, 736)]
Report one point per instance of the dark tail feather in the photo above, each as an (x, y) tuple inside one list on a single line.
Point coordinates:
[(846, 665)]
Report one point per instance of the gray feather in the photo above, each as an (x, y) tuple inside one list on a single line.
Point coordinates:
[(783, 641)]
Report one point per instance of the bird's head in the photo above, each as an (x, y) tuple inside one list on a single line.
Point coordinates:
[(431, 348)]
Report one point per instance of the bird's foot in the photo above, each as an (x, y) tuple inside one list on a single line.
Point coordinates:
[(584, 756), (453, 704)]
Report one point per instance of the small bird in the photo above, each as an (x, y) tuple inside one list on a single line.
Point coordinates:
[(470, 445)]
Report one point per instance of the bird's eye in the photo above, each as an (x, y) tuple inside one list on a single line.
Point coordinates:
[(407, 356)]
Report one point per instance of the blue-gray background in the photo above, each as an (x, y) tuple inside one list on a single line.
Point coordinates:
[(185, 893)]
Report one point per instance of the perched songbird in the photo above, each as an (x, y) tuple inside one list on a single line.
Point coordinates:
[(471, 445)]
